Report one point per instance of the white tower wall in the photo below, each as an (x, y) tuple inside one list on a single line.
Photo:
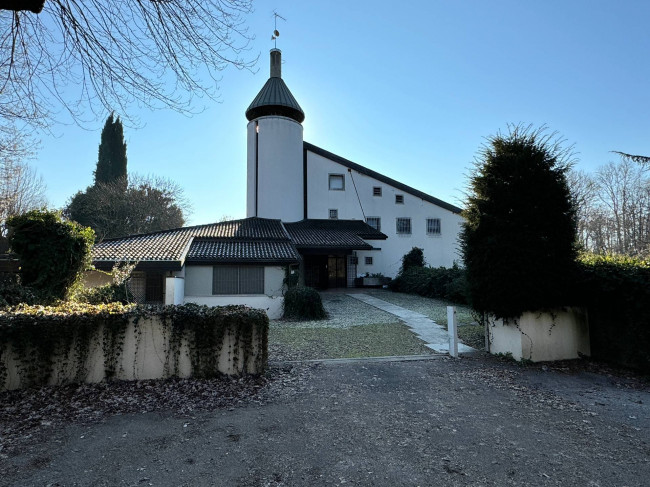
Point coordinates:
[(275, 169)]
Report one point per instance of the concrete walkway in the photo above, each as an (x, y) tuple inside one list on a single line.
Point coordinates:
[(434, 335)]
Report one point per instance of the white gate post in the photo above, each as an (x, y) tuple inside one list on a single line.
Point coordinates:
[(452, 329)]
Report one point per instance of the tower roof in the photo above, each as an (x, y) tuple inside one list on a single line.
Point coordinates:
[(275, 98)]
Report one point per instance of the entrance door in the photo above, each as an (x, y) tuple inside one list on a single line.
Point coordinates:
[(336, 271)]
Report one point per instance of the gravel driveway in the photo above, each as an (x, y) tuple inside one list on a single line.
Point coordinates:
[(441, 421)]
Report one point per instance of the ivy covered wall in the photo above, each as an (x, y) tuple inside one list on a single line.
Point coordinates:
[(85, 343)]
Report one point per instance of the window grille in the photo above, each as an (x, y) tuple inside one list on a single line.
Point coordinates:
[(232, 279), (376, 191), (137, 286), (374, 222), (433, 226), (399, 199), (368, 260), (334, 214), (404, 226), (337, 182)]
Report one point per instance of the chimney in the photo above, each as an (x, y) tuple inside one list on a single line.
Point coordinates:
[(276, 63)]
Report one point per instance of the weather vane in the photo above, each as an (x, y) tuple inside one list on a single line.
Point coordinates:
[(276, 33)]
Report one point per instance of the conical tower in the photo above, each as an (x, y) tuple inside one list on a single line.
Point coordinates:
[(275, 150)]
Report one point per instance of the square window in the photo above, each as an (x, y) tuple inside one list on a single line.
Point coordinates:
[(399, 199), (368, 260), (337, 182), (376, 191), (232, 279), (374, 222), (334, 214), (433, 226), (404, 226)]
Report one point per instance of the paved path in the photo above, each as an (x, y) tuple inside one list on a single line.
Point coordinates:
[(427, 330)]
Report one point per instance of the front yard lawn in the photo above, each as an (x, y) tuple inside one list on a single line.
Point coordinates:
[(373, 340)]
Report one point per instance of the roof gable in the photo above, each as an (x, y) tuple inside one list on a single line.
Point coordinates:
[(380, 177)]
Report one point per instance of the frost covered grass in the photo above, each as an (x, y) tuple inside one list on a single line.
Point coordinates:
[(435, 309), (356, 329), (372, 340)]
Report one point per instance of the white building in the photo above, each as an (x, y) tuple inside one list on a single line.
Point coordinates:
[(307, 208), (292, 180)]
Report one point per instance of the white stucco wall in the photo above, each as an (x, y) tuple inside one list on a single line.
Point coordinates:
[(542, 336), (279, 169), (174, 290), (198, 289), (439, 250), (96, 279), (144, 355)]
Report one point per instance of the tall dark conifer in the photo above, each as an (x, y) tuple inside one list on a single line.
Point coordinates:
[(111, 161)]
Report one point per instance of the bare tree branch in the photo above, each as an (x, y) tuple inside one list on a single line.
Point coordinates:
[(637, 159), (95, 56)]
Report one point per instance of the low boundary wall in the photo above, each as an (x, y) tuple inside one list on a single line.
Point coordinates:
[(133, 348)]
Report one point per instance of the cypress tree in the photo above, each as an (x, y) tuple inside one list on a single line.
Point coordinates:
[(111, 160), (518, 240)]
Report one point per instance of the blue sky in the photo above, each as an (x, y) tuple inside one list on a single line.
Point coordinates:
[(407, 89)]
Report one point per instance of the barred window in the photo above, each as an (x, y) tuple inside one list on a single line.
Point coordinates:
[(433, 226), (376, 190), (404, 226), (233, 279), (368, 260), (399, 199), (374, 222), (334, 214)]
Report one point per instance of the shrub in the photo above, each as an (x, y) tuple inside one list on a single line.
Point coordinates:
[(13, 293), (303, 303), (53, 253), (616, 292), (413, 258), (110, 293), (440, 282), (518, 239)]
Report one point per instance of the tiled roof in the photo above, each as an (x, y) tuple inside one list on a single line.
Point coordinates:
[(171, 245), (275, 99), (380, 177), (257, 240), (278, 252), (333, 234)]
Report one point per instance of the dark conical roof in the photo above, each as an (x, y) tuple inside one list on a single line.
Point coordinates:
[(275, 98)]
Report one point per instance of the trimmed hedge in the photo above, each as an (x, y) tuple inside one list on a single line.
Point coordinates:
[(303, 303), (616, 292), (433, 282)]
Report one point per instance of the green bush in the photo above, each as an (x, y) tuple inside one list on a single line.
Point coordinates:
[(303, 303), (109, 293), (438, 282), (518, 239), (53, 253), (13, 293), (616, 293), (413, 258)]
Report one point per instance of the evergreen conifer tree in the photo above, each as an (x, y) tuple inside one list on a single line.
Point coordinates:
[(111, 160), (518, 240)]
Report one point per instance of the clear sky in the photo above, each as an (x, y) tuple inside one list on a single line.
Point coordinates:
[(408, 89)]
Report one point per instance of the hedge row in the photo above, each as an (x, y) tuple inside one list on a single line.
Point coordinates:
[(616, 293), (433, 282), (37, 335)]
